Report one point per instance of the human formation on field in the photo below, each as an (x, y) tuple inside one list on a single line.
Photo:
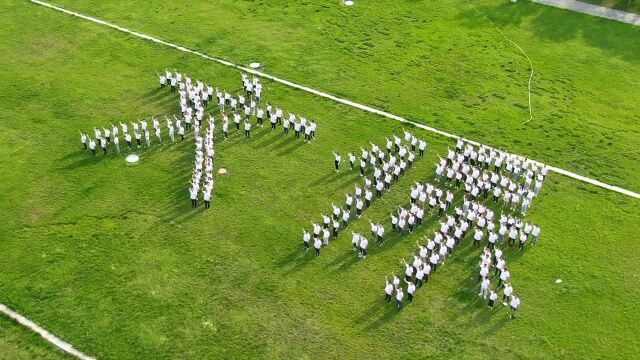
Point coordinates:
[(482, 171), (386, 168), (244, 108)]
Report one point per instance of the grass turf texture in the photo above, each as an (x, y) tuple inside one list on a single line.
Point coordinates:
[(437, 62), (110, 257)]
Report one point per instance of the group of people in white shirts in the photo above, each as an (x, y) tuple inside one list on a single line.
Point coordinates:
[(239, 108), (421, 196), (510, 179), (387, 167), (473, 217), (204, 157), (488, 262), (106, 136)]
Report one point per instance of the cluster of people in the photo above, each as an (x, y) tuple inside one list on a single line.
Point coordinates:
[(478, 219), (509, 178), (238, 108), (420, 196), (105, 136), (493, 260), (386, 165), (204, 156)]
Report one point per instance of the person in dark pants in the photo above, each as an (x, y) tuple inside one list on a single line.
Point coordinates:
[(388, 290), (338, 159), (399, 297), (247, 129), (411, 290), (492, 298), (194, 197), (317, 244), (83, 138), (92, 146), (207, 199), (103, 145)]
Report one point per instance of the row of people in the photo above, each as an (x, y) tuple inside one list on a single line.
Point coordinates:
[(105, 136), (203, 164), (496, 260)]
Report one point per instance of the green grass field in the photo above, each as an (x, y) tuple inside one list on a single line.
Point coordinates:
[(111, 258)]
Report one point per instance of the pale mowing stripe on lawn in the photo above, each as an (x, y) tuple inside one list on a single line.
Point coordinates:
[(325, 95)]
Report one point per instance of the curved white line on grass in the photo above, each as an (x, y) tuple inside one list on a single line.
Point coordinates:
[(325, 95), (66, 347), (519, 48)]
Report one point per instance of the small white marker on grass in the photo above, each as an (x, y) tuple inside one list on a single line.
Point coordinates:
[(132, 158), (348, 2), (558, 281)]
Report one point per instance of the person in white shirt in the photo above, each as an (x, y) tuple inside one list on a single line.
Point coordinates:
[(534, 234), (92, 146), (504, 276), (116, 142), (411, 290), (355, 240), (206, 196), (388, 290), (363, 247), (317, 244), (352, 159), (194, 197), (247, 129), (163, 80), (493, 296), (484, 287), (83, 139), (514, 304), (306, 237), (399, 297), (338, 159), (380, 233)]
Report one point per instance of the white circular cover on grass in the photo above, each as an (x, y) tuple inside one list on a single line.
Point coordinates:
[(133, 158), (559, 281), (222, 171), (348, 2), (255, 65)]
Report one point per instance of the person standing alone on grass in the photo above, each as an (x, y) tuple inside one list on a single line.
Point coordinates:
[(338, 159)]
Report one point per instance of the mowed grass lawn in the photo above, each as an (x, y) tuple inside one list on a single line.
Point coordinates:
[(439, 62), (111, 258)]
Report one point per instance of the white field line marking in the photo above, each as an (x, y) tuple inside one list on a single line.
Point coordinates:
[(66, 347), (325, 95)]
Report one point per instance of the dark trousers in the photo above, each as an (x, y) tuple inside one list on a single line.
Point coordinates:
[(409, 297), (207, 204), (237, 126), (421, 153), (194, 203), (247, 133), (317, 252), (85, 146), (387, 297)]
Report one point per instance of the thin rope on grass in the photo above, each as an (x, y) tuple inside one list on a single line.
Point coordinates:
[(519, 48)]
